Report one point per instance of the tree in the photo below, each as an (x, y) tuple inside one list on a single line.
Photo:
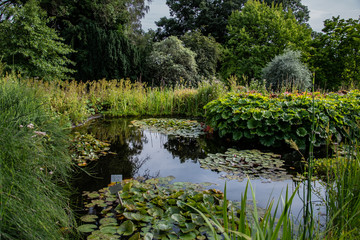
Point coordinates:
[(170, 62), (211, 16), (208, 16), (287, 71), (335, 53), (257, 34), (29, 46), (208, 52), (103, 33), (300, 11)]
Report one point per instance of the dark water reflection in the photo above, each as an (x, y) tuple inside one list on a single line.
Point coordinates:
[(150, 154)]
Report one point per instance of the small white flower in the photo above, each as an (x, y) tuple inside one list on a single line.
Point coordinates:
[(41, 169), (51, 172), (30, 125), (21, 126), (40, 133)]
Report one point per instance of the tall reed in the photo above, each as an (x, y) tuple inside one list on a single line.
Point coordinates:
[(77, 101), (34, 166)]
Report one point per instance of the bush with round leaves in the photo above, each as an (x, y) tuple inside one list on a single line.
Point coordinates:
[(286, 71)]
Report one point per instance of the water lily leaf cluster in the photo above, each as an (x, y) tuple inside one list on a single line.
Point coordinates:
[(154, 209), (171, 126), (85, 148), (271, 119), (239, 164)]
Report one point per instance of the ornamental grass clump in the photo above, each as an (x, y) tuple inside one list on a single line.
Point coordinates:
[(34, 167)]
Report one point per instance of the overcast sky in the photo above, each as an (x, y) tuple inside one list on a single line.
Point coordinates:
[(319, 11)]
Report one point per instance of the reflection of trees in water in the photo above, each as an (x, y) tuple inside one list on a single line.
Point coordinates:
[(185, 148), (126, 142)]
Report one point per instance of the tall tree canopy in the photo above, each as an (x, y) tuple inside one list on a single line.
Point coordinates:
[(211, 16), (257, 34), (170, 62), (208, 52), (29, 46), (101, 33), (335, 55)]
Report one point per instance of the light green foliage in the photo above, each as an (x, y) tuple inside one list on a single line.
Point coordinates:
[(257, 34), (29, 46), (35, 167), (286, 71), (208, 52), (272, 119), (335, 54), (79, 100), (170, 62)]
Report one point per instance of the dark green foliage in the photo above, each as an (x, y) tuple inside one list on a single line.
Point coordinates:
[(287, 71), (300, 11), (210, 17), (335, 54), (273, 119), (34, 167), (208, 52), (104, 53), (170, 62), (256, 35), (29, 46)]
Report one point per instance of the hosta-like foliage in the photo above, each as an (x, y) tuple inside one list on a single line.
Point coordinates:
[(274, 119)]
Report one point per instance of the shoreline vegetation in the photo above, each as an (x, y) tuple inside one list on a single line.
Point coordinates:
[(35, 163)]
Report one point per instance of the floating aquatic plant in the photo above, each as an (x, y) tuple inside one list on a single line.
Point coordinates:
[(171, 126), (238, 164), (154, 209), (85, 148)]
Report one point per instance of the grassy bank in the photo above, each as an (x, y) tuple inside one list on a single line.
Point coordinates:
[(34, 166), (115, 98)]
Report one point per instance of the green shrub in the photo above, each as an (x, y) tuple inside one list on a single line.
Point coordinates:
[(287, 71), (273, 119), (34, 167)]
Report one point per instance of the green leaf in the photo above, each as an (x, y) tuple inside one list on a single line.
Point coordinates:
[(178, 218), (86, 228), (252, 123), (237, 135), (89, 218), (301, 132), (126, 228)]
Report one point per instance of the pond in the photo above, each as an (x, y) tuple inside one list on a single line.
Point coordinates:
[(142, 152)]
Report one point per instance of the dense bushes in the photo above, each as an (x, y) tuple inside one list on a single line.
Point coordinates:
[(274, 119), (33, 164)]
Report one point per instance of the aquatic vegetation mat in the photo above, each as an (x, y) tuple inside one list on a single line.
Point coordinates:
[(154, 209), (85, 148), (171, 126), (239, 164)]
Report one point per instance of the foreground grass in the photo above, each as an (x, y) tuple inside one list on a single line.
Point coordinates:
[(34, 167)]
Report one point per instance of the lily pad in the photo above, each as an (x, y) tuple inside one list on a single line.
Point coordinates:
[(89, 218), (126, 228), (239, 164), (86, 228), (171, 126)]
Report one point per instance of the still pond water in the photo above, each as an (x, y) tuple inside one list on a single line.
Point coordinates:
[(146, 153)]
